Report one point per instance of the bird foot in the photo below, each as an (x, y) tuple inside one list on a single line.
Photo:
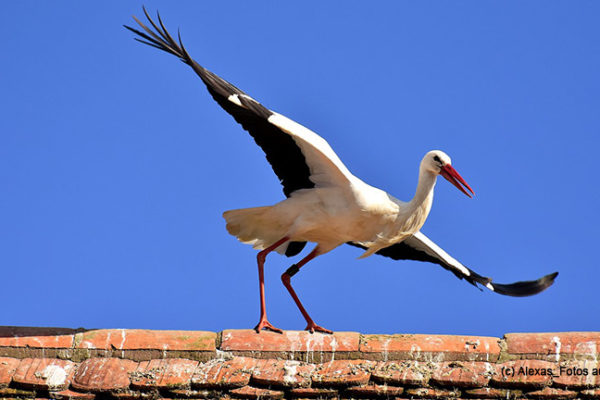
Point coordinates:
[(264, 324), (312, 328)]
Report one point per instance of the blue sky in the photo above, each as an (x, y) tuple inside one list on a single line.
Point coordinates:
[(116, 164)]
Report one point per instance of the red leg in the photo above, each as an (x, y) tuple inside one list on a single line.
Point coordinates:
[(286, 277), (260, 258)]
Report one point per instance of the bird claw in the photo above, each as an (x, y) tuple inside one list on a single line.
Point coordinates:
[(264, 324), (312, 328)]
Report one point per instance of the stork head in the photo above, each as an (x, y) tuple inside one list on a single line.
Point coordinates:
[(438, 163)]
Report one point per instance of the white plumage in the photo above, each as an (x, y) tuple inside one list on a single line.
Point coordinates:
[(325, 203)]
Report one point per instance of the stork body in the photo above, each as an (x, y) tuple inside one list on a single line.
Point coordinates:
[(325, 204)]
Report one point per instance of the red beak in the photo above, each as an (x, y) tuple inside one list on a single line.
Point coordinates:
[(454, 178)]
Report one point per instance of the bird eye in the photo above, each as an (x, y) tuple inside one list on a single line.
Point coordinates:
[(437, 159)]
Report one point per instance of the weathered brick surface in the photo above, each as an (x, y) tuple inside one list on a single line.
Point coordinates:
[(462, 373), (295, 365), (554, 346), (578, 374), (523, 374), (282, 373), (372, 391), (224, 374), (492, 393), (412, 373), (165, 373), (315, 347), (248, 392), (140, 339), (551, 393), (591, 393), (8, 366), (343, 373), (430, 393), (430, 347), (103, 374), (44, 373), (71, 395), (47, 338), (312, 393)]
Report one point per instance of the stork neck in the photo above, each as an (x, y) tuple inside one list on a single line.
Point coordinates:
[(424, 193)]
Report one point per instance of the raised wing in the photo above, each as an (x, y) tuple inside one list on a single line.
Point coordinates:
[(420, 248), (300, 158)]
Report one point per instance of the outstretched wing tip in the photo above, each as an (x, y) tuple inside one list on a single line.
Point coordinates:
[(525, 288)]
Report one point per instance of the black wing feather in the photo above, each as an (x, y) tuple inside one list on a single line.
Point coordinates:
[(402, 251), (285, 157)]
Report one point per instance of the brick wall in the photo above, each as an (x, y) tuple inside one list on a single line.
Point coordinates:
[(143, 364)]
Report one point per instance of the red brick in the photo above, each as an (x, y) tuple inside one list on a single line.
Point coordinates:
[(493, 393), (554, 345), (195, 394), (47, 338), (44, 373), (140, 339), (567, 375), (551, 393), (8, 366), (164, 373), (103, 374), (431, 393), (370, 391), (126, 394), (343, 373), (225, 374), (248, 392), (431, 347), (71, 395), (289, 341), (413, 373), (311, 393), (462, 373), (282, 373), (591, 393), (522, 374)]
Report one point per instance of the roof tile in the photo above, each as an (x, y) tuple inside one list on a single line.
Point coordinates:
[(291, 342), (413, 373), (103, 374), (227, 374), (164, 373), (551, 393), (282, 373), (248, 392), (370, 391), (462, 373), (48, 338), (44, 373), (430, 393), (8, 366), (71, 395), (578, 374), (311, 393), (554, 346), (591, 393), (141, 339), (343, 373), (493, 393), (431, 347), (523, 374)]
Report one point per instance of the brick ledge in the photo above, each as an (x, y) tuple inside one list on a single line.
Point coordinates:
[(121, 364)]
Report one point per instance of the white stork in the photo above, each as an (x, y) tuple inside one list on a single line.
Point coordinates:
[(325, 203)]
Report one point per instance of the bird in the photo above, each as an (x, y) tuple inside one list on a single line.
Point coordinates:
[(324, 202)]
